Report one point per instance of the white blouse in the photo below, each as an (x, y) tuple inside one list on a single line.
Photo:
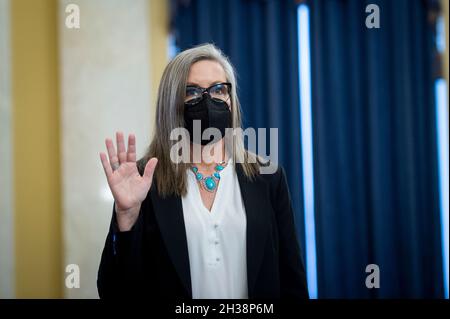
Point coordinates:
[(217, 239)]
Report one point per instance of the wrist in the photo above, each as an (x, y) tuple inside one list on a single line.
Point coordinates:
[(127, 218)]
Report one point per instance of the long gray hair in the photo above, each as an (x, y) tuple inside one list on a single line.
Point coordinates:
[(171, 177)]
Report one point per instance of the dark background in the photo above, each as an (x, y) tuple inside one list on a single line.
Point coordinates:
[(374, 128)]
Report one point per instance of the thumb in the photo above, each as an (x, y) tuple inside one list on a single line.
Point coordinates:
[(150, 169)]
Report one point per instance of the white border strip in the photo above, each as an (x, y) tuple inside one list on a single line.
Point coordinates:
[(6, 164)]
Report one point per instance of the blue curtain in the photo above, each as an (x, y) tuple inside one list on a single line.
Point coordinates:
[(375, 161), (375, 149), (260, 37)]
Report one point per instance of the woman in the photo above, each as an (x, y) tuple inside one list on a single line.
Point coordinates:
[(217, 229)]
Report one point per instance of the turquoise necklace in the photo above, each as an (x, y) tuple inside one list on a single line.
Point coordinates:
[(209, 183)]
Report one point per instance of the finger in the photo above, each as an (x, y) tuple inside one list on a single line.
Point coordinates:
[(121, 152), (106, 165), (131, 151), (150, 169), (113, 159)]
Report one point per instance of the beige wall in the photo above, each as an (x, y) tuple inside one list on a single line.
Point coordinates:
[(159, 29), (37, 204), (66, 91)]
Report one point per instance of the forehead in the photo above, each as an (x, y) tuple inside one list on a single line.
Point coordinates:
[(205, 73)]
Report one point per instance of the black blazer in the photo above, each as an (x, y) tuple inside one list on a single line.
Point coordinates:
[(151, 260)]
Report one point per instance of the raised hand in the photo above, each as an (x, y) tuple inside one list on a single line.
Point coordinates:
[(128, 187)]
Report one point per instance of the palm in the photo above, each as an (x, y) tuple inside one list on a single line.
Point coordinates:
[(128, 187)]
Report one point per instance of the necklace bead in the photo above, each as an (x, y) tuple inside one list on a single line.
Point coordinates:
[(209, 183)]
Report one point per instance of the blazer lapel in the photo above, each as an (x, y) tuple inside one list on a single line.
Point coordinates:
[(169, 215), (254, 196)]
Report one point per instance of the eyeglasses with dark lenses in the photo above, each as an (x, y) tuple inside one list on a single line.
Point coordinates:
[(219, 91)]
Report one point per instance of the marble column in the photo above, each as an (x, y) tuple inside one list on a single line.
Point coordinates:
[(105, 86)]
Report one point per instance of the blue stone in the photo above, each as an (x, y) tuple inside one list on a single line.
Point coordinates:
[(210, 183), (195, 169), (199, 176), (219, 167), (217, 175)]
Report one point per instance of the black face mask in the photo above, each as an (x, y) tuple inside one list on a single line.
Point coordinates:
[(211, 112)]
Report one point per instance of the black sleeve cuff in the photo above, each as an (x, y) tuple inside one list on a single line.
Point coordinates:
[(122, 241)]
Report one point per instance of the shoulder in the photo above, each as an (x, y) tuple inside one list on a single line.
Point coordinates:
[(271, 174), (269, 186)]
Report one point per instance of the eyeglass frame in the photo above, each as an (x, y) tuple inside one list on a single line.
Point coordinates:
[(203, 90)]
